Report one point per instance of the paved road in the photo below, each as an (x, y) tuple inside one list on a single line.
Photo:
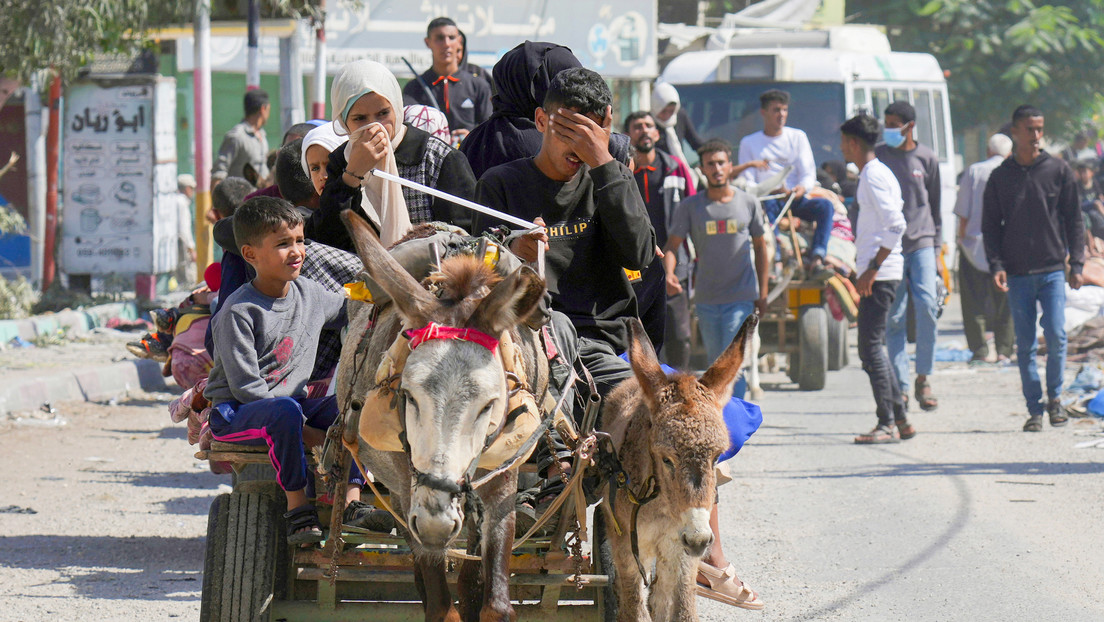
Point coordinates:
[(972, 520)]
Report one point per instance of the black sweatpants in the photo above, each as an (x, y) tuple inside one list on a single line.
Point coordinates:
[(873, 316)]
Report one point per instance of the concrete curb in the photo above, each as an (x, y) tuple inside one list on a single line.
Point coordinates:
[(87, 384), (78, 322)]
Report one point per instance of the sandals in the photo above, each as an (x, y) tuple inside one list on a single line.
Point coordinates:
[(1058, 417), (303, 526), (1034, 424), (880, 435), (367, 516), (924, 396), (152, 346), (905, 430), (724, 586)]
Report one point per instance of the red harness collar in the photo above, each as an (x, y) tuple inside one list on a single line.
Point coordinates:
[(437, 331)]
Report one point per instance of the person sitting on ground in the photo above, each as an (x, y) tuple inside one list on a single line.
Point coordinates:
[(265, 344), (881, 226), (521, 79), (367, 105), (783, 146)]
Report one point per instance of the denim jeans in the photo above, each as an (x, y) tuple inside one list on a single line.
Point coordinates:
[(1048, 291), (719, 324), (819, 211), (873, 315), (919, 282)]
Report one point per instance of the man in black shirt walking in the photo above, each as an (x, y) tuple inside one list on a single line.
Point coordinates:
[(1031, 222), (461, 95)]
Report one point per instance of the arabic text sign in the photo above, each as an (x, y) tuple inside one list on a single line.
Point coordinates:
[(109, 191), (616, 38)]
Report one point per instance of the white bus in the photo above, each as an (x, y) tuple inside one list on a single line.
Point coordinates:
[(831, 75)]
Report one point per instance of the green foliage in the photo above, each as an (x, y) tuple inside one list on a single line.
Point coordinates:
[(16, 298), (11, 221), (1003, 52), (66, 34)]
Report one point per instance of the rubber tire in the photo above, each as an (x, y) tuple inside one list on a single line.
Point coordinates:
[(837, 343), (604, 564), (812, 366), (248, 559), (214, 559)]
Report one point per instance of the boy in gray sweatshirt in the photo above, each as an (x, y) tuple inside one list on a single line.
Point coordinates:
[(265, 341)]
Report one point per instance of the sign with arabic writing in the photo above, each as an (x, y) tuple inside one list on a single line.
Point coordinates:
[(119, 214), (617, 38)]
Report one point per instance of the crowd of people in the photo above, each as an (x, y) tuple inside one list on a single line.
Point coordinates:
[(630, 231)]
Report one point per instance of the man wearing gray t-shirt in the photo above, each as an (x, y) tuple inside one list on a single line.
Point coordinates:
[(725, 224)]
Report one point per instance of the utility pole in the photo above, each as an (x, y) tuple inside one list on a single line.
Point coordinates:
[(53, 137), (253, 61), (318, 105), (201, 80)]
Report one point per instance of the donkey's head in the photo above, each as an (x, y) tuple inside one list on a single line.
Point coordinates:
[(687, 431), (453, 384)]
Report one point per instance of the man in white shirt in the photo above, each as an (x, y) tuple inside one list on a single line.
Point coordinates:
[(880, 227), (783, 146), (978, 291)]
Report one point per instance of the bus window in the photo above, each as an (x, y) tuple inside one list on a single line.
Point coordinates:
[(900, 95), (879, 101), (924, 118), (858, 103), (940, 126)]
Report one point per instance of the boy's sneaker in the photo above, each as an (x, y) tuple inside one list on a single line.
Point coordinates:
[(367, 516), (164, 320), (1056, 413), (153, 346)]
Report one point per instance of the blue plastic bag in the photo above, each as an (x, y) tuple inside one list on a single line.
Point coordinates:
[(742, 418), (1096, 404)]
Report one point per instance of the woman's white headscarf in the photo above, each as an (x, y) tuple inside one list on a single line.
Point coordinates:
[(663, 94), (323, 136), (382, 200)]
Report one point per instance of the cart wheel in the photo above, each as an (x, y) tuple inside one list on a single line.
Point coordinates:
[(607, 597), (248, 559), (837, 343), (812, 365), (214, 560)]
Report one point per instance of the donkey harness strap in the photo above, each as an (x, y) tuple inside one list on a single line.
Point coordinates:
[(436, 331)]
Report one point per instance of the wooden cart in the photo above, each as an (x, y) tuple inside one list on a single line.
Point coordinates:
[(251, 574)]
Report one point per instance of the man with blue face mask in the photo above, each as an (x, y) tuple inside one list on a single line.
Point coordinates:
[(916, 167)]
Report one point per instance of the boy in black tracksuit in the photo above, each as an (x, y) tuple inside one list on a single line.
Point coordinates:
[(597, 223)]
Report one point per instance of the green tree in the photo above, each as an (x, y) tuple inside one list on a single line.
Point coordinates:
[(1001, 53), (66, 34)]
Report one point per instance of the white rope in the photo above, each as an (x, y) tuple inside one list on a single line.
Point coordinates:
[(531, 227)]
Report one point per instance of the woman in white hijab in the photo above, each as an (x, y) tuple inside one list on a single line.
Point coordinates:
[(366, 105), (673, 121)]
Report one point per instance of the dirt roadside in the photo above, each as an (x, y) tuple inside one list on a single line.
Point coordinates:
[(109, 507)]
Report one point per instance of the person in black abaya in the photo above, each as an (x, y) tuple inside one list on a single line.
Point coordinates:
[(521, 79)]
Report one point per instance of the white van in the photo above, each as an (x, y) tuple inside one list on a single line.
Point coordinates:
[(831, 75)]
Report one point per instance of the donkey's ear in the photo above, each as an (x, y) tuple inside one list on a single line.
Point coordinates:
[(510, 302), (414, 303), (645, 365), (720, 376)]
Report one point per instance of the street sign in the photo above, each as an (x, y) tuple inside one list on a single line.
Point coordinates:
[(119, 161)]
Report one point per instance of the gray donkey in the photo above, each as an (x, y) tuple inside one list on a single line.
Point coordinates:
[(669, 428), (451, 388)]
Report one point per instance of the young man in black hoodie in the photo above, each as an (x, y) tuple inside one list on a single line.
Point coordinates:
[(597, 227), (1031, 222)]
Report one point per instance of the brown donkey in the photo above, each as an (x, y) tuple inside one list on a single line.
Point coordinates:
[(668, 428)]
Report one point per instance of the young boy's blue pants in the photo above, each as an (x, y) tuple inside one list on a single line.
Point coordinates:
[(278, 423)]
